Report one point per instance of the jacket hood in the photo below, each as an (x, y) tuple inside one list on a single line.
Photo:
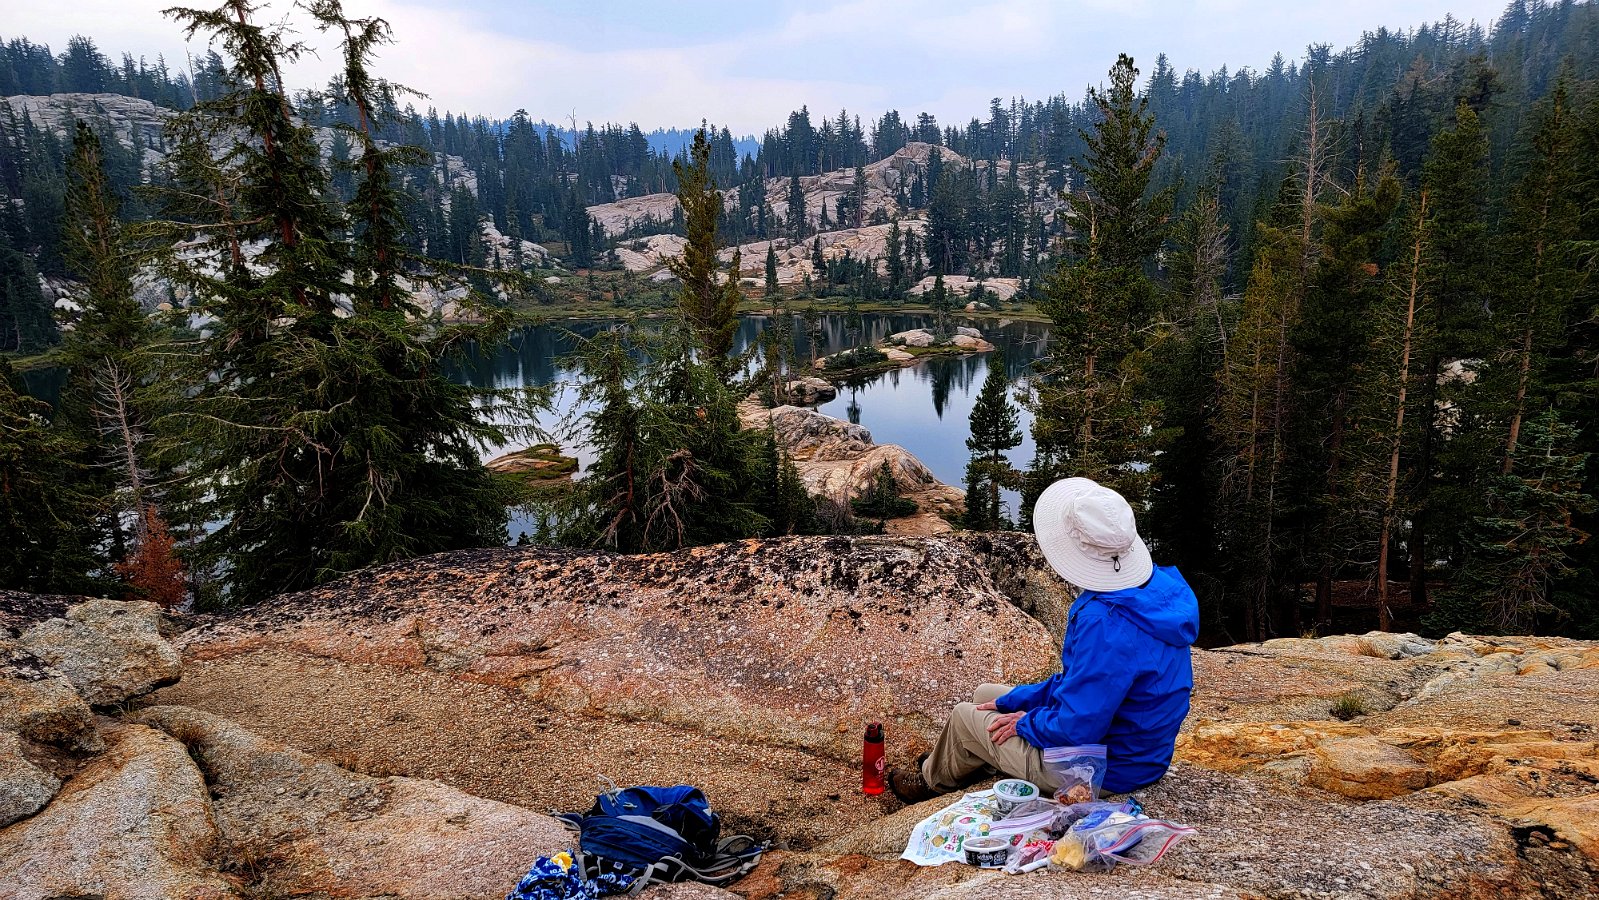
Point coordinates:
[(1164, 608)]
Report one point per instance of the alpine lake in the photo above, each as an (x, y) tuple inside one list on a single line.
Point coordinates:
[(924, 407)]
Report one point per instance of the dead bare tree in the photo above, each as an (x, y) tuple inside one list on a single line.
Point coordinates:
[(114, 420), (1412, 288)]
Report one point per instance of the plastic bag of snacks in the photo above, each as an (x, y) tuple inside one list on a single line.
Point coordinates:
[(1038, 824), (1107, 837), (1078, 772), (1072, 814), (1028, 857)]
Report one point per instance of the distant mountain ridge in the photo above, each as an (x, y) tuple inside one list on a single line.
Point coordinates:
[(667, 141)]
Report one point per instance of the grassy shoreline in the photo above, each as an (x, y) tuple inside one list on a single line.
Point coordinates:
[(590, 295), (29, 362)]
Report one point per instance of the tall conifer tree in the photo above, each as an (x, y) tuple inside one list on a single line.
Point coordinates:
[(328, 441), (116, 391), (45, 541), (994, 430), (1455, 177), (708, 298), (1093, 413)]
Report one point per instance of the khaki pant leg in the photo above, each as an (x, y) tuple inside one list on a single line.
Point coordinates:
[(988, 693), (964, 752)]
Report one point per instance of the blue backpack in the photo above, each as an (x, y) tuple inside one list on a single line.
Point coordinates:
[(657, 835)]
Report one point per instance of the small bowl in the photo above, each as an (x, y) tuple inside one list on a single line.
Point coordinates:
[(987, 852), (1010, 793)]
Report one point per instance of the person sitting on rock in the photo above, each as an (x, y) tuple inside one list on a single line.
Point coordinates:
[(1126, 672)]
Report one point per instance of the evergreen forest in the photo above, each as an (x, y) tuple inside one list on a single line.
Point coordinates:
[(1331, 323)]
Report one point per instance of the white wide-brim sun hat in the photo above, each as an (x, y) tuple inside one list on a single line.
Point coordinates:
[(1089, 535)]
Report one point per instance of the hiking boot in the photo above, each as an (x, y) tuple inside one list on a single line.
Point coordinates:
[(909, 785)]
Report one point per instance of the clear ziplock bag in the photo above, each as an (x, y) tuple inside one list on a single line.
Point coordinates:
[(1102, 840), (1078, 772)]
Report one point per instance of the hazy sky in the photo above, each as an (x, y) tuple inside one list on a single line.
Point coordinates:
[(747, 63)]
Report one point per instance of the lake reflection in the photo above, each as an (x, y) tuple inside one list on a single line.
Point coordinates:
[(924, 408)]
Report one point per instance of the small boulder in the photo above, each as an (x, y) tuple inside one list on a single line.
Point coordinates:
[(38, 702), (969, 331), (810, 390), (24, 787), (916, 337), (109, 650), (1383, 645), (895, 354), (975, 344)]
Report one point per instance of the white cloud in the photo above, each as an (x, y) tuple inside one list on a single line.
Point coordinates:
[(942, 56)]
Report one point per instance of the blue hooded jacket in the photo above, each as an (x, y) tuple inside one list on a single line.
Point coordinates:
[(1124, 682)]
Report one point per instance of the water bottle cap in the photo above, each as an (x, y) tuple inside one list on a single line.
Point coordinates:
[(874, 731)]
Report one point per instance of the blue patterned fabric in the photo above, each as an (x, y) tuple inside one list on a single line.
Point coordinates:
[(556, 878)]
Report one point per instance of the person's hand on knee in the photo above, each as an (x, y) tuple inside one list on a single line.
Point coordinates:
[(1003, 727)]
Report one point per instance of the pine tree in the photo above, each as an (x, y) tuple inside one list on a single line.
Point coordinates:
[(994, 430), (672, 467), (153, 569), (893, 258), (1389, 379), (1259, 406), (938, 300), (326, 442), (26, 324), (772, 287), (708, 299), (1093, 413), (883, 501), (1541, 275), (1254, 419), (1523, 544), (797, 225), (858, 197), (1455, 177), (815, 333), (1330, 344), (419, 486), (44, 539), (789, 506), (115, 392), (1183, 508)]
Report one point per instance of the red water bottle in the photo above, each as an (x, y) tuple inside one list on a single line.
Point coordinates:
[(872, 760)]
